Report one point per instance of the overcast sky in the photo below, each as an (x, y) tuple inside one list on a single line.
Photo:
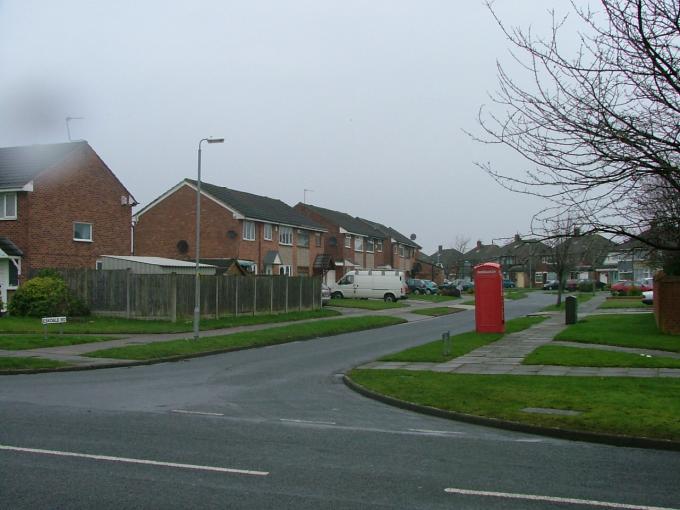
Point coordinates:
[(363, 102)]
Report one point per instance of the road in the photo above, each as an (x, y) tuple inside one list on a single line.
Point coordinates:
[(276, 428)]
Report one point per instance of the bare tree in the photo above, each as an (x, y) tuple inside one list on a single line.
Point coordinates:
[(460, 243), (558, 235), (600, 128)]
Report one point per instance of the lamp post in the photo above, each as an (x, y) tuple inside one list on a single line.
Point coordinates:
[(197, 290)]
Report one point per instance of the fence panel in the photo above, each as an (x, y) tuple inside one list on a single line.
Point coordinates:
[(150, 296), (246, 294)]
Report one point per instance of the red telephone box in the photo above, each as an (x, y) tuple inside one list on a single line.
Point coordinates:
[(489, 309)]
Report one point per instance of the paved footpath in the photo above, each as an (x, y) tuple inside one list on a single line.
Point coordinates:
[(506, 355)]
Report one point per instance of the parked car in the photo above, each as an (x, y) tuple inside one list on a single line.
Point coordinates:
[(551, 285), (362, 284), (624, 286), (430, 287), (325, 294), (416, 285), (508, 284), (648, 297), (449, 289)]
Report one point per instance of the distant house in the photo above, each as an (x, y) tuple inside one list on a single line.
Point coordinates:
[(152, 265), (427, 268), (451, 261), (587, 253), (355, 243), (631, 260), (477, 255), (527, 262), (265, 235), (60, 206)]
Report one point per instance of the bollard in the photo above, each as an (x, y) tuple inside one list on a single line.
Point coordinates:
[(446, 343), (570, 310)]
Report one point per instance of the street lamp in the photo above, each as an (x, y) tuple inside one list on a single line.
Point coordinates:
[(197, 290)]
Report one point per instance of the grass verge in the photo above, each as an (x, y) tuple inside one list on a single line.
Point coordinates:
[(635, 302), (438, 311), (581, 297), (31, 341), (11, 363), (366, 304), (432, 298), (290, 333), (94, 324), (626, 330), (515, 293), (639, 407), (432, 352), (469, 302), (577, 357)]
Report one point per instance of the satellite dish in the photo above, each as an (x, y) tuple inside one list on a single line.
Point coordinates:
[(413, 237)]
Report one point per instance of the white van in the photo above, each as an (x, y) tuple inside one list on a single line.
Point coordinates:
[(387, 284)]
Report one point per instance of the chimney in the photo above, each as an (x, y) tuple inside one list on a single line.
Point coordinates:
[(517, 238), (440, 248), (479, 245)]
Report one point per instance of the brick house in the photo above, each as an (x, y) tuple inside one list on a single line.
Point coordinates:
[(427, 268), (479, 254), (355, 243), (60, 206), (527, 262), (450, 259), (265, 235)]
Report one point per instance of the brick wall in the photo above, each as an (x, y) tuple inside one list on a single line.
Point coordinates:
[(667, 303), (79, 189), (159, 230)]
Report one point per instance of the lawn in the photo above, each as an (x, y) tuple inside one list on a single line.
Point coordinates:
[(581, 297), (290, 333), (438, 311), (32, 341), (366, 304), (641, 407), (469, 302), (95, 324), (432, 298), (432, 352), (624, 302), (11, 363), (577, 357), (626, 330), (515, 293)]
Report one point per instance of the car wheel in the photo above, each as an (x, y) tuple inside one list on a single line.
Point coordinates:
[(337, 295), (428, 292), (389, 298), (416, 291)]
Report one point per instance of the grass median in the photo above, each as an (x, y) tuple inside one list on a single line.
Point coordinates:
[(25, 363), (438, 311), (639, 407), (578, 357), (222, 343), (432, 298), (581, 297), (114, 325), (365, 304), (625, 330), (461, 344)]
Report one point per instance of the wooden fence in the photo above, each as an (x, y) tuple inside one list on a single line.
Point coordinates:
[(171, 296)]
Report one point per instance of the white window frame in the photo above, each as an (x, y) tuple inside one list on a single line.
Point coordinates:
[(267, 232), (301, 235), (3, 206), (286, 236), (379, 245), (370, 245), (249, 230), (538, 277), (359, 244), (348, 241), (285, 270), (317, 239), (401, 250), (83, 240)]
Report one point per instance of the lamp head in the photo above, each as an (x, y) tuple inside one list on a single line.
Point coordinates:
[(215, 140)]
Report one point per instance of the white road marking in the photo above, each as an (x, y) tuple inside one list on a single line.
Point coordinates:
[(134, 461), (572, 501), (529, 440), (184, 411), (308, 421), (435, 432)]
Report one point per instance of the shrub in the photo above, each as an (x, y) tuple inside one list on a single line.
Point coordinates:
[(46, 296), (585, 286), (450, 291), (634, 291), (49, 273)]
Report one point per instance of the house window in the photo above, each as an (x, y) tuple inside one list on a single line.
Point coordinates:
[(370, 245), (303, 239), (538, 278), (378, 245), (286, 235), (348, 241), (285, 270), (267, 231), (401, 250), (8, 206), (248, 230), (317, 239), (394, 248), (358, 244), (82, 231), (13, 273)]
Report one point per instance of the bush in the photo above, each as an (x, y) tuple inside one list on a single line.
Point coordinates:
[(46, 296), (450, 291), (585, 286), (634, 291)]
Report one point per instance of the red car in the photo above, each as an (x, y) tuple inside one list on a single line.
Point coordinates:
[(623, 286)]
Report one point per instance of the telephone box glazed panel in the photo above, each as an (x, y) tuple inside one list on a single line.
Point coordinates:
[(489, 309)]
